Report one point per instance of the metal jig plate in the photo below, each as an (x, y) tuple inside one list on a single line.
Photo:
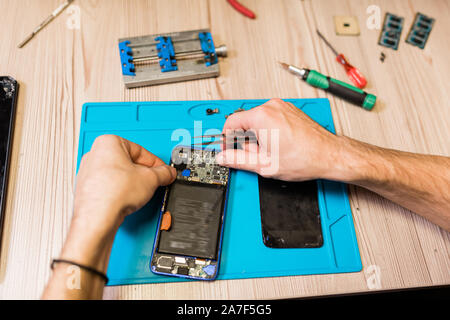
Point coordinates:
[(146, 61)]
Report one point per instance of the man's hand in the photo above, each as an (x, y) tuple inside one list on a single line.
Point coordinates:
[(116, 178), (291, 146)]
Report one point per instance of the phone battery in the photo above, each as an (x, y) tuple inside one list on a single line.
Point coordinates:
[(196, 211)]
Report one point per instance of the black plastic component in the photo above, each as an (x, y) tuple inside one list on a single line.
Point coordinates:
[(345, 93), (8, 100), (183, 270), (290, 216)]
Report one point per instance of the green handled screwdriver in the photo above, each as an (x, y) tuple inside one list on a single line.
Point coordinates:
[(338, 88)]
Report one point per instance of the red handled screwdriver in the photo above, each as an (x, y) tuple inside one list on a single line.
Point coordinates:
[(353, 73)]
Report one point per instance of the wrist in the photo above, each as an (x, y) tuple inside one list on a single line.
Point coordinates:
[(351, 161), (99, 217), (90, 240)]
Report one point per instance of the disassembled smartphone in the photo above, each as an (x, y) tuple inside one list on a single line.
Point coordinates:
[(8, 99), (190, 228)]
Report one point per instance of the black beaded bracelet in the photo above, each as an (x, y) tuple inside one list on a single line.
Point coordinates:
[(87, 268)]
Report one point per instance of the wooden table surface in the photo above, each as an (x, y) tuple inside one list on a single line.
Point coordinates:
[(66, 65)]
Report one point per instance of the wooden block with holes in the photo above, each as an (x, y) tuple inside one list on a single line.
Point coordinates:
[(346, 25)]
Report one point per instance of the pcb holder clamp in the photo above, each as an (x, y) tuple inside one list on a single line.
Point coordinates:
[(169, 57)]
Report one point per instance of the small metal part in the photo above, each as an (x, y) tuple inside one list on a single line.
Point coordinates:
[(210, 111), (327, 43), (235, 111), (221, 138), (165, 262), (382, 56), (346, 25), (49, 19), (221, 51), (180, 260), (293, 69)]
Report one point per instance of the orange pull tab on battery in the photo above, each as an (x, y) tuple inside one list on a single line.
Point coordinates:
[(166, 221)]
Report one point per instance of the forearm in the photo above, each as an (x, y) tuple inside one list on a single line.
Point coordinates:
[(116, 177), (420, 183), (88, 244)]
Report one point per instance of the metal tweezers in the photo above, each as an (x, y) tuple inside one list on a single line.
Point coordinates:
[(221, 138)]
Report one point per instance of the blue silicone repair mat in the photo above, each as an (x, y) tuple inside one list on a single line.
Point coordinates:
[(153, 125)]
